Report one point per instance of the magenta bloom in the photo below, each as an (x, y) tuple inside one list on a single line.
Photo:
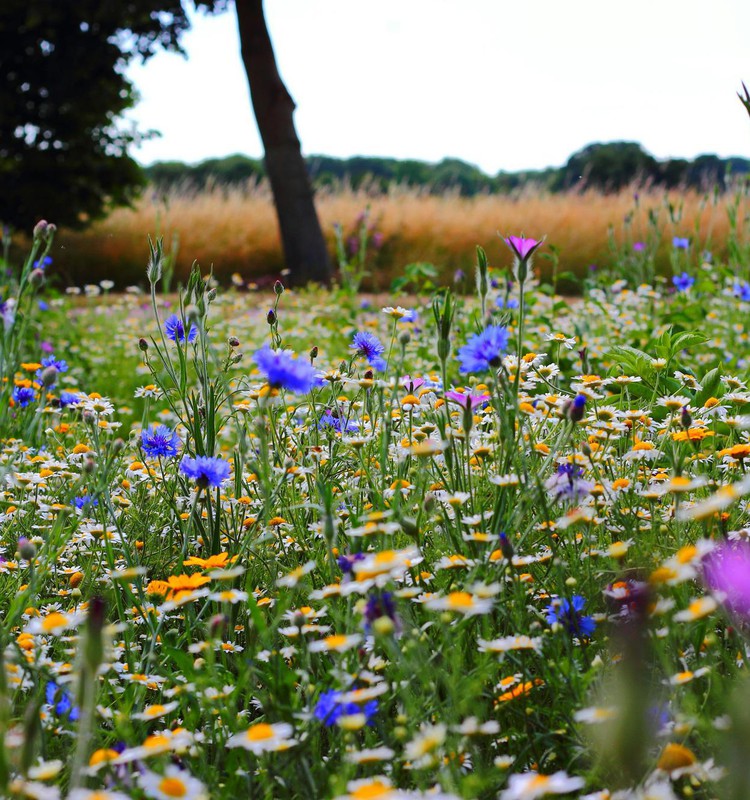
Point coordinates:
[(726, 571), (411, 384), (467, 400), (522, 248)]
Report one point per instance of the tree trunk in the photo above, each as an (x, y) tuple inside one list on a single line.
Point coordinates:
[(305, 249)]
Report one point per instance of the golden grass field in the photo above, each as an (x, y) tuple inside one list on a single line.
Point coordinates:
[(235, 230)]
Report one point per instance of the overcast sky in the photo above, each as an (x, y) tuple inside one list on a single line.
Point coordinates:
[(504, 85)]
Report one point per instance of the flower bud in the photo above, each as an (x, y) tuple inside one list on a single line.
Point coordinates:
[(40, 230), (49, 376), (278, 287), (26, 549), (155, 261), (686, 420), (404, 338), (313, 354), (271, 317), (211, 295), (36, 277), (577, 408), (142, 344), (233, 341)]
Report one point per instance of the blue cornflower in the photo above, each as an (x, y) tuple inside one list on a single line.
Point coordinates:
[(43, 306), (742, 290), (60, 364), (85, 500), (370, 347), (284, 371), (567, 613), (484, 350), (501, 303), (159, 440), (329, 421), (175, 330), (683, 282), (346, 562), (205, 471), (680, 243), (380, 605), (61, 700), (23, 395), (43, 262), (69, 399), (330, 708)]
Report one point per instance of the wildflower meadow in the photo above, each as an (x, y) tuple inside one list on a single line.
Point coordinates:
[(489, 543)]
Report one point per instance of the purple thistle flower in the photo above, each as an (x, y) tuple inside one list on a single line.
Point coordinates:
[(205, 471), (484, 350), (175, 330), (283, 371), (370, 347)]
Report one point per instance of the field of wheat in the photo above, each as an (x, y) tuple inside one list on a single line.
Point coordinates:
[(235, 229)]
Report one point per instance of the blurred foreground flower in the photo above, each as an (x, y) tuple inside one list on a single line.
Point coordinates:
[(726, 571)]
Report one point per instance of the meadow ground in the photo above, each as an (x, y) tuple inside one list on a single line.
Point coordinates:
[(458, 546)]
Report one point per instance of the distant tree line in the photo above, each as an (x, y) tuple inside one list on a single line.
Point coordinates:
[(606, 167)]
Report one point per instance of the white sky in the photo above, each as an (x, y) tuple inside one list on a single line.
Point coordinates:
[(504, 84)]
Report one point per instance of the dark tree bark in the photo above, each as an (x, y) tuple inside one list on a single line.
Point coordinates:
[(305, 249)]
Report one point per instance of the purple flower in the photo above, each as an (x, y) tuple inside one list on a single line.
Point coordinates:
[(175, 330), (61, 701), (284, 371), (205, 471), (522, 248), (726, 570), (683, 282), (159, 440), (484, 350), (742, 291), (330, 707), (370, 347), (23, 395), (567, 483), (568, 614), (69, 399), (331, 421), (467, 399), (411, 384), (680, 243), (381, 605), (638, 247)]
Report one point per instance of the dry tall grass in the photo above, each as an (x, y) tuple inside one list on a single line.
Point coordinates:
[(235, 229)]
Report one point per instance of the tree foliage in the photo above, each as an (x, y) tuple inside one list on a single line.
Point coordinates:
[(63, 152)]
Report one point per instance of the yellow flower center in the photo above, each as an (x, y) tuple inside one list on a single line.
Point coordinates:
[(260, 732), (173, 787)]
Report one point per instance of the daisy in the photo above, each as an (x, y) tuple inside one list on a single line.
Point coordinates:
[(264, 738), (174, 783), (531, 785), (461, 602)]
